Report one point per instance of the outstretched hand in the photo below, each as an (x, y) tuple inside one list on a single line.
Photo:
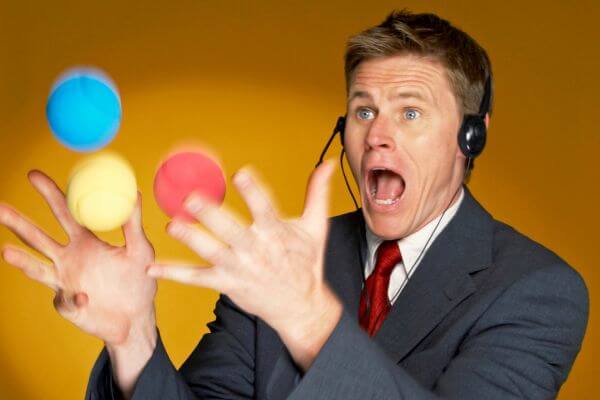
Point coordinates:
[(272, 268), (102, 289)]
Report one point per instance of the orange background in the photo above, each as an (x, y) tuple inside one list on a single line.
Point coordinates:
[(261, 83)]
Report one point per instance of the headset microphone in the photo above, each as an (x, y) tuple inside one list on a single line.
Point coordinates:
[(339, 128)]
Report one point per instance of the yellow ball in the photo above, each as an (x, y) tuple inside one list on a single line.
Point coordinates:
[(102, 191)]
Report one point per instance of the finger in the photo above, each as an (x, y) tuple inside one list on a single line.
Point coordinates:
[(220, 222), (196, 276), (28, 233), (31, 266), (133, 229), (70, 305), (199, 241), (56, 200), (316, 205), (256, 198)]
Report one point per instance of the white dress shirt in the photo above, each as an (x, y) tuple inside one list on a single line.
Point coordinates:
[(411, 247)]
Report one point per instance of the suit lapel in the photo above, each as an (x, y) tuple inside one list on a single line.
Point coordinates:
[(344, 260), (441, 281)]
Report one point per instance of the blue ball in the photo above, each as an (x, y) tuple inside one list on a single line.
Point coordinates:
[(84, 110)]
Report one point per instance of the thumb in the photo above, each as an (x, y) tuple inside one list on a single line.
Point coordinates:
[(133, 229), (316, 205), (69, 305)]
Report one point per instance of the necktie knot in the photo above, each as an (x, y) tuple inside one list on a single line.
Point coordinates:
[(388, 255)]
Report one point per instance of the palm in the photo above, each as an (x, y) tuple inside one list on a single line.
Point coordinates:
[(99, 287), (271, 259)]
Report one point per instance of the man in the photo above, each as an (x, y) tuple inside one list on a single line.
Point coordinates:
[(419, 295)]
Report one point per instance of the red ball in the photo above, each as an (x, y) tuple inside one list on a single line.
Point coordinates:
[(184, 173)]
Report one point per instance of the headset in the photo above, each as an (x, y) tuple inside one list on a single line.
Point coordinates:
[(472, 136)]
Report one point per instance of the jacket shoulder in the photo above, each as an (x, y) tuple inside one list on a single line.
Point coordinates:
[(517, 255)]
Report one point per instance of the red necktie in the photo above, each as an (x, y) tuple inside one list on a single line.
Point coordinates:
[(374, 302)]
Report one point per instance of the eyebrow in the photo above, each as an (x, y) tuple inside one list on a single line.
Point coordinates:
[(411, 94)]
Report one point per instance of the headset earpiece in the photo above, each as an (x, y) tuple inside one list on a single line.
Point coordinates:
[(472, 134)]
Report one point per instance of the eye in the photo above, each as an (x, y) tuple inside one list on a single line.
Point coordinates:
[(411, 114), (365, 114)]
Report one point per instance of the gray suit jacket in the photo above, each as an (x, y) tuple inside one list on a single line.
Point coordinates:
[(489, 314)]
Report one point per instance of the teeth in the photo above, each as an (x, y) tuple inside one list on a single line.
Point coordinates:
[(385, 202)]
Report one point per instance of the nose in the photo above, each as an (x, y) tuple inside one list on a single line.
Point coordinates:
[(379, 135)]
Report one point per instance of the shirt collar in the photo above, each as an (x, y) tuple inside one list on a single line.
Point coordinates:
[(412, 245)]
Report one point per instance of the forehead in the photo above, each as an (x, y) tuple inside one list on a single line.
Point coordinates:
[(421, 75)]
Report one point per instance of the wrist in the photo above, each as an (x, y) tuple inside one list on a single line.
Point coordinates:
[(306, 333), (129, 357), (140, 333)]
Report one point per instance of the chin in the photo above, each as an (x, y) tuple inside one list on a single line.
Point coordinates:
[(386, 226)]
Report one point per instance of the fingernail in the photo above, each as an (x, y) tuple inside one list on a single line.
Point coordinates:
[(242, 178), (194, 204), (174, 228), (8, 255)]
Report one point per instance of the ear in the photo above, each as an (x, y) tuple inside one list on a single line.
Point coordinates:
[(486, 119)]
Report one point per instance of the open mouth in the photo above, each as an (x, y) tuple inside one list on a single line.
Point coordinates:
[(385, 186)]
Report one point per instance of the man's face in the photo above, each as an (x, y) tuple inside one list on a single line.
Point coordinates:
[(401, 141)]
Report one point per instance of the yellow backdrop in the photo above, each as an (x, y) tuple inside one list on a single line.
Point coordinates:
[(261, 83)]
